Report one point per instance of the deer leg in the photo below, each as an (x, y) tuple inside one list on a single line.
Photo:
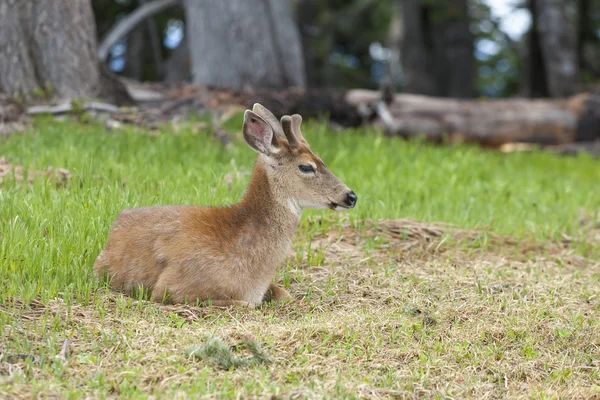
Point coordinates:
[(160, 294), (276, 293)]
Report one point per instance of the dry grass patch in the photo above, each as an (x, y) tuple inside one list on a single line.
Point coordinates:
[(394, 309), (17, 172)]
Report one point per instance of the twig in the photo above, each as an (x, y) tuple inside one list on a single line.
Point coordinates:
[(68, 107), (63, 351), (384, 113), (58, 109)]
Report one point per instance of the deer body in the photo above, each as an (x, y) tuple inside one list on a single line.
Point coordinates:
[(225, 255)]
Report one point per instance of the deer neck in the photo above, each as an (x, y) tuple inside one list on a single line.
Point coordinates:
[(266, 209)]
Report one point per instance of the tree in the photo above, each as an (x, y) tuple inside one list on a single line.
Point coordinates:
[(337, 39), (553, 65), (244, 43), (416, 49), (558, 47), (437, 48), (48, 47), (588, 42), (139, 27)]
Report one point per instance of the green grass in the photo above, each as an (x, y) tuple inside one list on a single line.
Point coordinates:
[(350, 335)]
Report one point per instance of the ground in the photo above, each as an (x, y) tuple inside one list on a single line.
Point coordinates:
[(501, 300)]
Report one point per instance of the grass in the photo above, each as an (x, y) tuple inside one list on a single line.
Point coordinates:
[(380, 312)]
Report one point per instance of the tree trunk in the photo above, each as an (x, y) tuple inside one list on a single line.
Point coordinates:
[(536, 69), (394, 43), (588, 43), (244, 44), (154, 39), (134, 59), (416, 49), (437, 49), (453, 46), (558, 46), (48, 46), (177, 66), (310, 35), (584, 29)]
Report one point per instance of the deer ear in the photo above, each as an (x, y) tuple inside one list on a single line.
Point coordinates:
[(258, 133)]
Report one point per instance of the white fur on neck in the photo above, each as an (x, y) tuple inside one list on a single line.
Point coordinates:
[(310, 204), (295, 207)]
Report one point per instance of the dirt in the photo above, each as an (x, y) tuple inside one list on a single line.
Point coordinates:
[(7, 170)]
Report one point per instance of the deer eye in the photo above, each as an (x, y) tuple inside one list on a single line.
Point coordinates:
[(306, 168)]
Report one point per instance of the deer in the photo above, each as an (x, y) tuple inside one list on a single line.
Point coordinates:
[(226, 256)]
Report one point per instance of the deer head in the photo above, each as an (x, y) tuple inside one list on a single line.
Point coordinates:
[(297, 175)]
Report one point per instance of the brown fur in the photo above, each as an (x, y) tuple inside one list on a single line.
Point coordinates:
[(227, 255)]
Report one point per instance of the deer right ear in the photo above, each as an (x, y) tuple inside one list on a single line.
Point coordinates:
[(258, 133)]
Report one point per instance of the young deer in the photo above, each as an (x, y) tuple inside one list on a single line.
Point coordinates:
[(226, 255)]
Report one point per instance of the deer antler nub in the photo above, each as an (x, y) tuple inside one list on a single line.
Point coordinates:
[(286, 124)]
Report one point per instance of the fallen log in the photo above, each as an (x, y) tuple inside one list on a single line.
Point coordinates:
[(490, 123), (567, 149), (496, 122)]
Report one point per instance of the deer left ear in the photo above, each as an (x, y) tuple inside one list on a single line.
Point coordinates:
[(258, 133)]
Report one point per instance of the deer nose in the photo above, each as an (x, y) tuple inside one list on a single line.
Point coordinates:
[(351, 199)]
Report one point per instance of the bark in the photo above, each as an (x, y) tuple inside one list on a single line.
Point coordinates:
[(134, 59), (416, 49), (583, 29), (453, 57), (558, 46), (437, 48), (588, 43), (154, 38), (244, 44), (395, 44), (536, 69), (48, 47), (310, 34)]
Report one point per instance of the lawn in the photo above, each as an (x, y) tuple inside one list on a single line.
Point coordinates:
[(462, 273)]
